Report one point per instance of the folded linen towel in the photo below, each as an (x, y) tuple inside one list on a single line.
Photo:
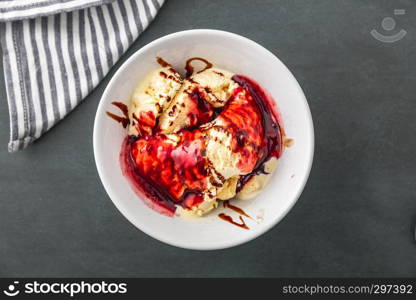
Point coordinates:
[(55, 52)]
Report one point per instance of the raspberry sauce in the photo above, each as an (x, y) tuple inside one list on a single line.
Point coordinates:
[(173, 170), (273, 133), (167, 173), (200, 110)]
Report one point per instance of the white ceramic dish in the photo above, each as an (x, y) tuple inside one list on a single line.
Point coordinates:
[(242, 56)]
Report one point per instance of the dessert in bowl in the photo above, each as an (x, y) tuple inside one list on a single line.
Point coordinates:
[(190, 142), (212, 135)]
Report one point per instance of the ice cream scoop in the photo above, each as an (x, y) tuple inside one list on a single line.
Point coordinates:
[(198, 101), (151, 97), (193, 141)]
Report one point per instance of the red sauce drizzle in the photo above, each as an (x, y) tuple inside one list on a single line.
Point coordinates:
[(168, 174), (153, 195), (201, 111), (273, 131), (229, 219), (190, 70)]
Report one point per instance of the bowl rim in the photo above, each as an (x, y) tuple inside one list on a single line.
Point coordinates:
[(148, 230)]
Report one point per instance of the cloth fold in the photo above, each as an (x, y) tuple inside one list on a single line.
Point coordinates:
[(53, 59)]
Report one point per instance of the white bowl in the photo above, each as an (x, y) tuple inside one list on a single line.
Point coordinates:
[(239, 55)]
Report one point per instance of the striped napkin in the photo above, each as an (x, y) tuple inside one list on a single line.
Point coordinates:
[(55, 52)]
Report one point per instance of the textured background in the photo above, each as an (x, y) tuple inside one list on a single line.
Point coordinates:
[(357, 213)]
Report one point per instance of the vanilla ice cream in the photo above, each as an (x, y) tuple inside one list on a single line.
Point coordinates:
[(201, 139), (151, 97)]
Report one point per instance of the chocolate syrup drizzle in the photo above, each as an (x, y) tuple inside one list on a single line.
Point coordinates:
[(238, 210), (229, 219), (125, 121), (190, 69), (271, 145)]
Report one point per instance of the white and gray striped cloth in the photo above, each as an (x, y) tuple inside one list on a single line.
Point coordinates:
[(55, 52)]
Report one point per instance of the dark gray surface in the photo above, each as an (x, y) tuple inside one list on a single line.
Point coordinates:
[(356, 215)]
